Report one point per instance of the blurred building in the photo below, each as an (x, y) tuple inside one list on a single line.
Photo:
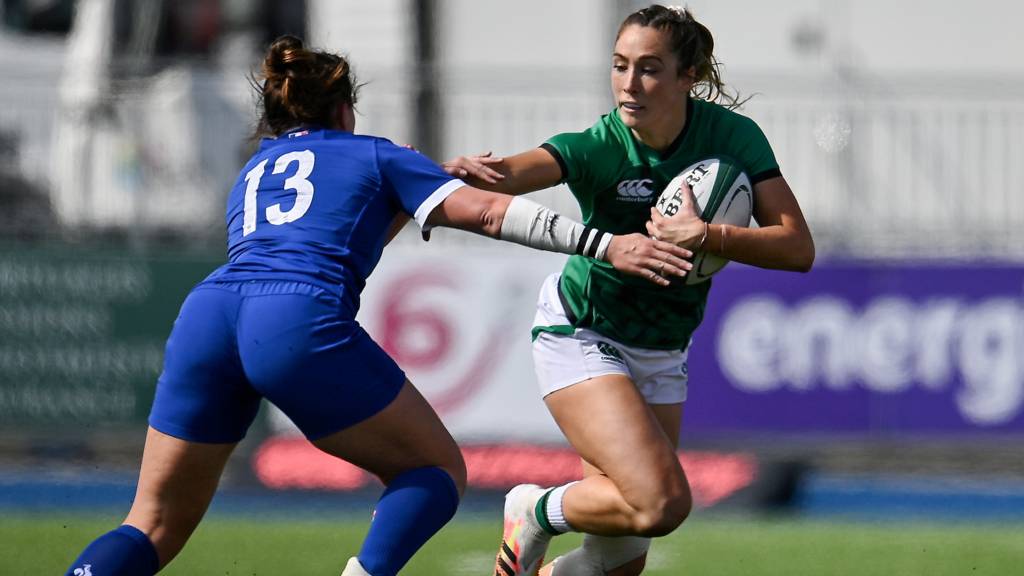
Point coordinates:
[(899, 125)]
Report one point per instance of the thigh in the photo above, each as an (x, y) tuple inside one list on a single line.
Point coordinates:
[(322, 370), (406, 434), (613, 429), (202, 394), (177, 480), (670, 419)]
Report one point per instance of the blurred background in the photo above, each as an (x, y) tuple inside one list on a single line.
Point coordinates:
[(885, 386)]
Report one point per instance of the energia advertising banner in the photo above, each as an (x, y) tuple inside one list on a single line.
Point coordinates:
[(858, 349), (850, 348), (870, 349)]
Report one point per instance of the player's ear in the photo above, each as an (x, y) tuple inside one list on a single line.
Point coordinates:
[(345, 117), (688, 78)]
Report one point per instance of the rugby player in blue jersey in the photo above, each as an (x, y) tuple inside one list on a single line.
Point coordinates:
[(307, 221)]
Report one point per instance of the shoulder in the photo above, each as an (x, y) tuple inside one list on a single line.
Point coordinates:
[(592, 152), (327, 142), (728, 132), (380, 152), (337, 137), (604, 136), (722, 117), (608, 127)]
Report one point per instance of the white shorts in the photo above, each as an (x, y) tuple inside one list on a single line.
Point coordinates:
[(562, 360)]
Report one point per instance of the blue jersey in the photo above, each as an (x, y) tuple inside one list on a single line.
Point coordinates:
[(315, 205)]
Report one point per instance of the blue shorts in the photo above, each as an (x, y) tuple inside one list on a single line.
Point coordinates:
[(236, 342)]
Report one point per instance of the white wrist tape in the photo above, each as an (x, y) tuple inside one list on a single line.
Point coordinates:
[(536, 226)]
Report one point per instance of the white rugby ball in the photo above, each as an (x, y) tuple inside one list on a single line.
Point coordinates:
[(724, 196)]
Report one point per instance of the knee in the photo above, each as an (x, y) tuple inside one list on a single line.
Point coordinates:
[(453, 468), (456, 468), (454, 464), (665, 514)]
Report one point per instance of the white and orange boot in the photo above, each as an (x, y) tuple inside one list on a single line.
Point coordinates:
[(524, 542)]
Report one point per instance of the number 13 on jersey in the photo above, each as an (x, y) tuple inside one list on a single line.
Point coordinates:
[(299, 182)]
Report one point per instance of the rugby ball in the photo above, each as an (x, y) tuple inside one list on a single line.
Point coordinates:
[(724, 196)]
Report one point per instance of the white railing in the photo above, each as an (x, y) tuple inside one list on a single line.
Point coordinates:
[(901, 171)]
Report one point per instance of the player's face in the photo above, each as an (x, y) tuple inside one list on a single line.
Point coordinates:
[(646, 84)]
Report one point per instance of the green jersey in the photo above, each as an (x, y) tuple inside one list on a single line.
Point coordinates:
[(616, 180)]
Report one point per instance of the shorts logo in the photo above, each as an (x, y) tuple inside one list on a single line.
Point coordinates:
[(85, 570), (609, 352), (635, 190)]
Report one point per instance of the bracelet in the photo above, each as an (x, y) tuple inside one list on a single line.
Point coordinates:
[(704, 237)]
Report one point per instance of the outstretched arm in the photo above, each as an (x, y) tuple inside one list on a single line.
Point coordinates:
[(781, 241), (526, 172), (525, 222)]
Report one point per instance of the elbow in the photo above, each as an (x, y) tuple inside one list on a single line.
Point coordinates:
[(491, 216), (472, 210), (804, 265), (804, 260), (797, 255)]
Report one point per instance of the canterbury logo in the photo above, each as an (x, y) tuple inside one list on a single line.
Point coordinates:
[(635, 190), (609, 352)]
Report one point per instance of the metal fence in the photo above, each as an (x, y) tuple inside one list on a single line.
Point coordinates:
[(881, 169), (920, 171)]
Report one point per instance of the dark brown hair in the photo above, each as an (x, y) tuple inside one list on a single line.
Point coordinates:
[(298, 86), (692, 44)]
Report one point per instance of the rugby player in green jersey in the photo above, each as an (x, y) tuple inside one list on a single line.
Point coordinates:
[(609, 350)]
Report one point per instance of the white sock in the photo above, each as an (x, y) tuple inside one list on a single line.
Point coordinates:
[(553, 509), (576, 563), (354, 568), (600, 555)]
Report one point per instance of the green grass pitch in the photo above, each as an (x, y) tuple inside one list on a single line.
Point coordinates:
[(707, 545)]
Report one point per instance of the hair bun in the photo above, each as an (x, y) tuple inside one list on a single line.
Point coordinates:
[(681, 13), (281, 53), (299, 85)]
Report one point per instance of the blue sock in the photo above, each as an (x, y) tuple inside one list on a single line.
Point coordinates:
[(125, 551), (415, 506)]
